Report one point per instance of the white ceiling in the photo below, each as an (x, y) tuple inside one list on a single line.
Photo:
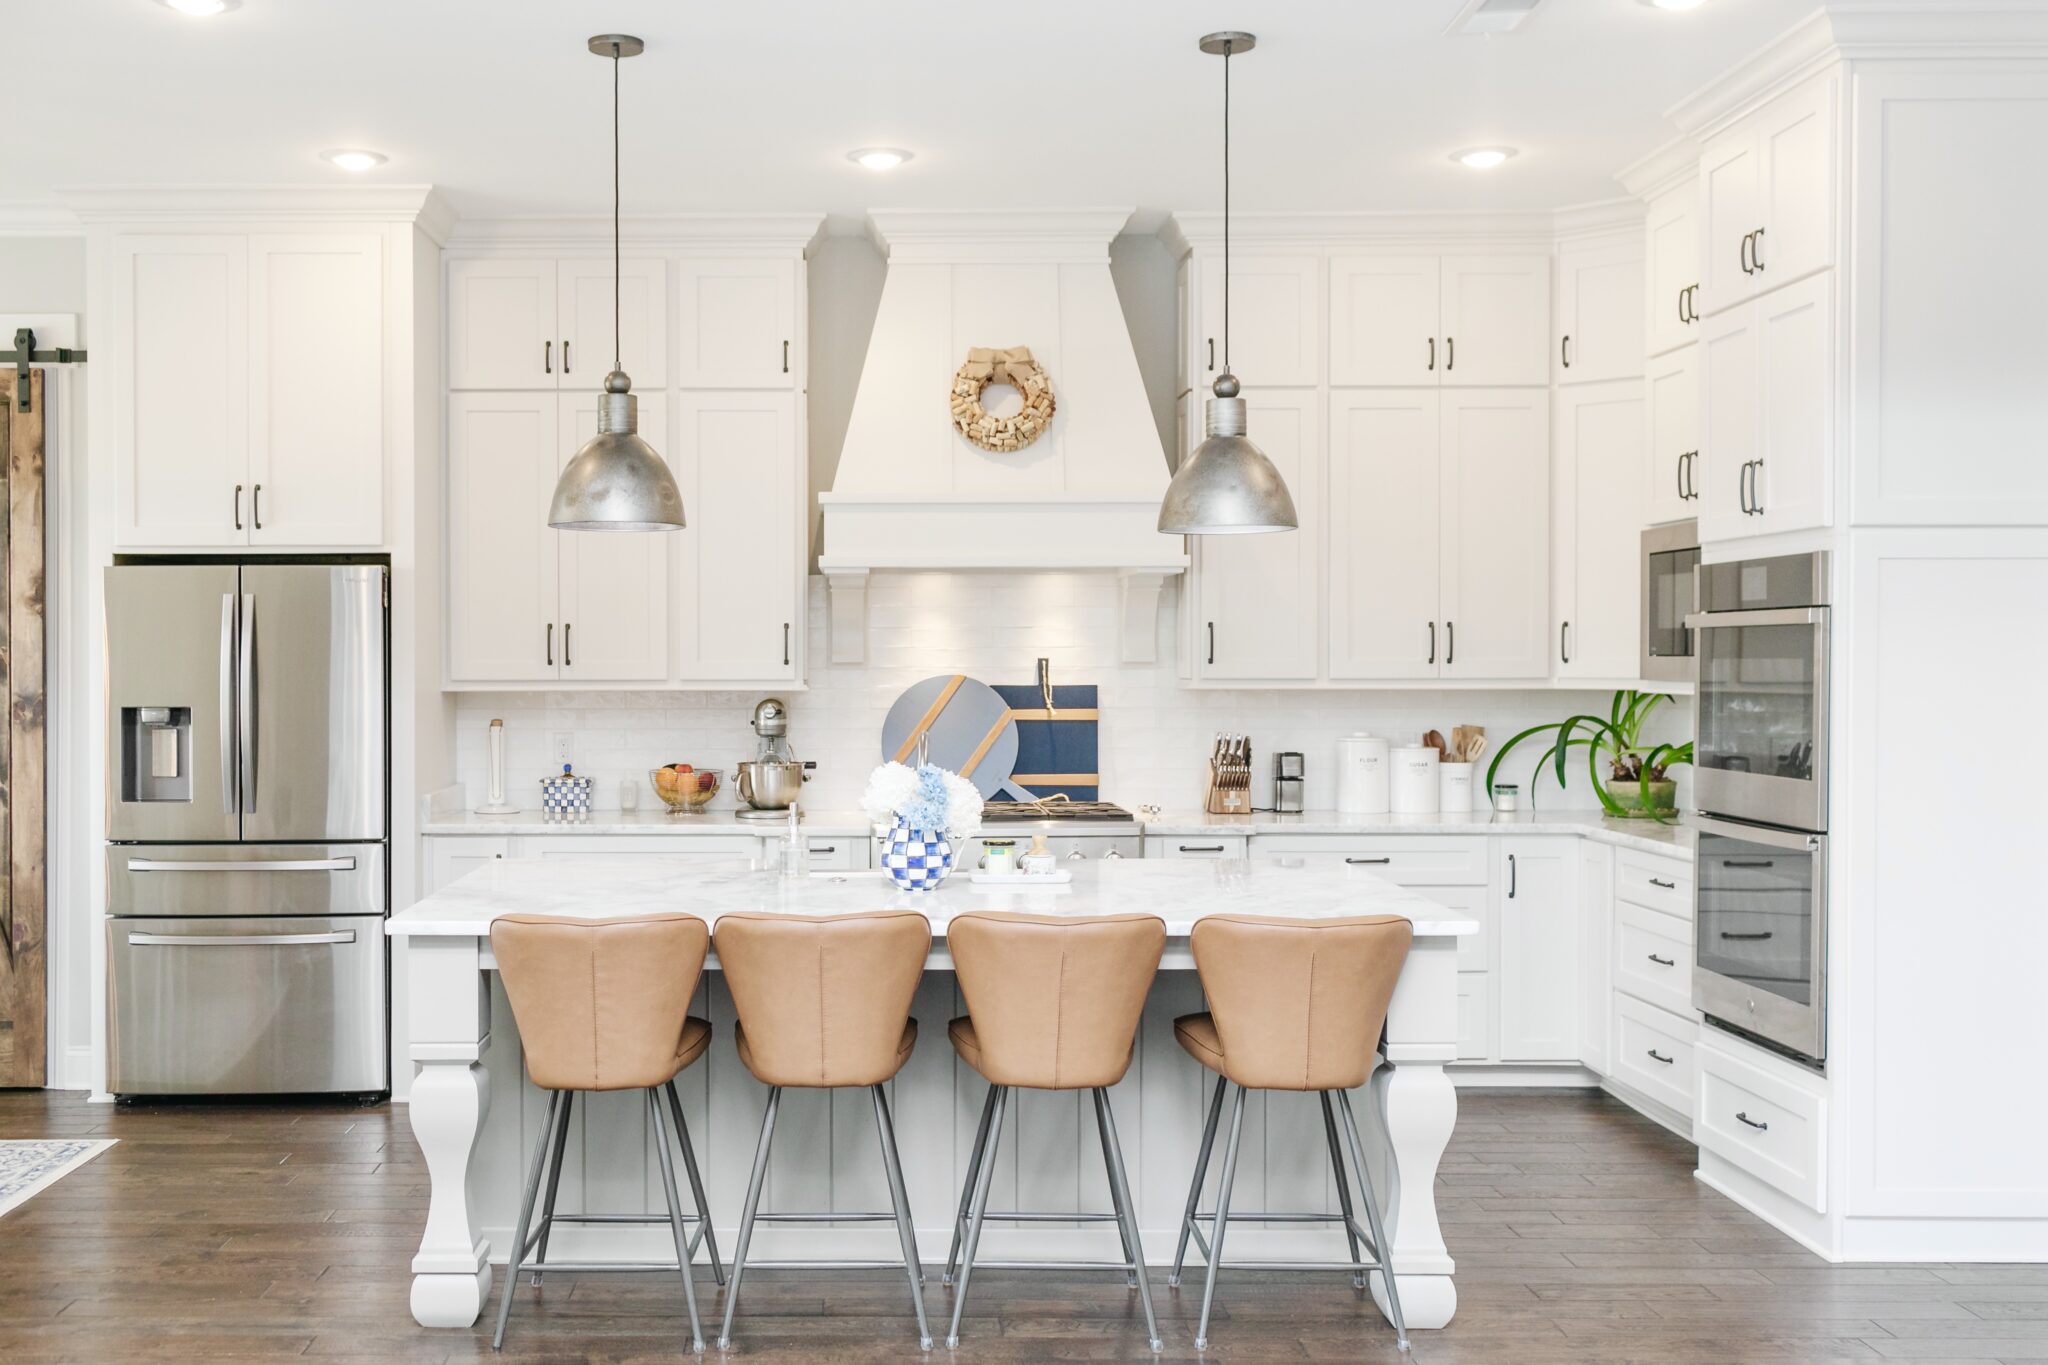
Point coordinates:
[(1346, 104)]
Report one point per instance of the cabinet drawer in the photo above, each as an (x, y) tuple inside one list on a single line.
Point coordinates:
[(1653, 957), (1475, 1016), (1771, 1125), (1654, 1052), (1194, 846), (1406, 860), (835, 853), (1659, 883)]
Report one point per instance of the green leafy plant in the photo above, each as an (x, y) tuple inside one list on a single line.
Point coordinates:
[(1617, 737)]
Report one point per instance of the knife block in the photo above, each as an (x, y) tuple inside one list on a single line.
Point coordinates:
[(1230, 786)]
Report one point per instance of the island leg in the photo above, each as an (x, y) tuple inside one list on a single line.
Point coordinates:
[(450, 1006), (1412, 1109)]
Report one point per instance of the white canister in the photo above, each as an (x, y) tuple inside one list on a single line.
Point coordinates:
[(1454, 786), (1362, 775), (1414, 780)]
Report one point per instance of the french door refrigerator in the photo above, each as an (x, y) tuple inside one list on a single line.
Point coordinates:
[(247, 827)]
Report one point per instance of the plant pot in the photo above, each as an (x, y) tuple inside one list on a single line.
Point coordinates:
[(916, 859), (1628, 794)]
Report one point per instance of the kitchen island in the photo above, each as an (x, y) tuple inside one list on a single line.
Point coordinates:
[(475, 1115)]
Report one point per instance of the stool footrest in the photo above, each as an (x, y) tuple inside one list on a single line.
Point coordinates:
[(824, 1217), (993, 1216), (598, 1267)]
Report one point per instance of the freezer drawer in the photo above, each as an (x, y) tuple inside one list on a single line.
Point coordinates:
[(245, 1006), (267, 880)]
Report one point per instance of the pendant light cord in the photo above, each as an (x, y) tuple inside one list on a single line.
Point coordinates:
[(1227, 46), (618, 350)]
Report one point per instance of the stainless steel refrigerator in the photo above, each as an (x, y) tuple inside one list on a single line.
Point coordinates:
[(248, 827)]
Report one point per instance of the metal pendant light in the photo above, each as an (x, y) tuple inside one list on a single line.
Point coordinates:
[(1227, 486), (616, 482)]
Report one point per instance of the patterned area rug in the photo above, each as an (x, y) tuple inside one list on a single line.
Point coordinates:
[(28, 1168)]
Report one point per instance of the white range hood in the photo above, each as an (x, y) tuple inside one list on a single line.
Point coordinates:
[(912, 493)]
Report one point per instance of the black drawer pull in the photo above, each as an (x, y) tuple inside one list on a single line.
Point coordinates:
[(1663, 961), (1368, 861), (1668, 886), (1741, 1117), (1201, 848), (1657, 1056), (1753, 862), (1747, 938), (824, 848)]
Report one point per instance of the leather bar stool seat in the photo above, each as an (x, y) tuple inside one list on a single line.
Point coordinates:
[(603, 1005), (1297, 1005), (824, 1003), (1053, 1004)]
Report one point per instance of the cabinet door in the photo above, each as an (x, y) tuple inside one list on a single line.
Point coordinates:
[(736, 324), (1494, 315), (1796, 142), (450, 858), (1537, 880), (1495, 482), (739, 609), (316, 390), (1599, 465), (1671, 467), (613, 618), (1600, 314), (501, 325), (1729, 435), (1259, 604), (1276, 319), (504, 451), (1795, 334), (1671, 238), (1384, 535), (584, 294), (1383, 321), (1730, 210), (181, 431)]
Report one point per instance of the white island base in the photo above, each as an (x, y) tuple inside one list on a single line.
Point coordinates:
[(475, 1115)]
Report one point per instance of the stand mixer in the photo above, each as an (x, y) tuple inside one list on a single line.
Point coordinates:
[(771, 783)]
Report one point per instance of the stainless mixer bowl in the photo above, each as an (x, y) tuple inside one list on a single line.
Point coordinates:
[(770, 786)]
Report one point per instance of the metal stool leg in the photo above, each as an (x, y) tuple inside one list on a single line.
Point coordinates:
[(1132, 1268), (1343, 1188), (988, 1107), (547, 1208), (675, 1108), (1381, 1252), (1222, 1218), (1187, 1219), (739, 1258), (1126, 1216), (986, 1177), (675, 1218), (540, 1152), (906, 1230)]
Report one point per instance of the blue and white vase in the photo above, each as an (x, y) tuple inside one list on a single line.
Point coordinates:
[(918, 859)]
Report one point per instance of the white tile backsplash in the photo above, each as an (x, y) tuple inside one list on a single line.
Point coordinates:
[(1155, 733)]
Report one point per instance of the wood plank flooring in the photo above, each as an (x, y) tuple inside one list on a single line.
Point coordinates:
[(259, 1233)]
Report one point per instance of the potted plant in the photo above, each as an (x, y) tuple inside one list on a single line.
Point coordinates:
[(1635, 784), (930, 813)]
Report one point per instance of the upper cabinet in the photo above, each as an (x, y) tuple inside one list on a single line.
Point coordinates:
[(1408, 321), (1766, 416), (1598, 507), (1496, 320), (249, 396), (1671, 243), (1256, 616), (1599, 313), (1671, 457), (736, 324), (547, 324), (1767, 196), (740, 591), (1275, 320)]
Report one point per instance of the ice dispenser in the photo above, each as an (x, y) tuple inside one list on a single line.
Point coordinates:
[(156, 753)]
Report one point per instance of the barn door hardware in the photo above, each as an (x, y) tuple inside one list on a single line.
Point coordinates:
[(25, 354)]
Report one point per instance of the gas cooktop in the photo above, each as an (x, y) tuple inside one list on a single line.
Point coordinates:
[(1056, 812)]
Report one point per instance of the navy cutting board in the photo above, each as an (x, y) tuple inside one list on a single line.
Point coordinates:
[(1059, 756)]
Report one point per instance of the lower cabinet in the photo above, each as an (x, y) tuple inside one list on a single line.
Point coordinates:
[(1653, 1052), (1653, 1027), (1763, 1115), (1536, 886), (1196, 846)]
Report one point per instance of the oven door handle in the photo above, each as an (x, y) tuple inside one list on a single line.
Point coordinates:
[(1795, 840), (1766, 616)]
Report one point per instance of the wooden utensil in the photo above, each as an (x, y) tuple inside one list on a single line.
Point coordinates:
[(1435, 740)]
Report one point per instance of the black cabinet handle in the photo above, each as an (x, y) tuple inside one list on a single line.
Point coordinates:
[(256, 506), (1212, 353), (1692, 480), (1432, 353), (551, 644), (1681, 306), (1450, 643), (1742, 487), (547, 357), (785, 357), (1756, 495), (1212, 642), (1432, 642), (1657, 1056), (1200, 848), (1692, 303), (824, 848), (565, 355), (1749, 862), (785, 644), (1743, 255), (1757, 937), (238, 507), (1680, 471), (1756, 250), (1450, 354), (1741, 1117), (1564, 350), (1668, 886), (1511, 876), (567, 662), (1563, 653), (1368, 862), (1663, 961)]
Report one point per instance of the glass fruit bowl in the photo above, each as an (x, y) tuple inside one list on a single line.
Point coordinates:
[(684, 789)]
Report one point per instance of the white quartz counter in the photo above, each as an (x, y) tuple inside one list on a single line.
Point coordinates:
[(1674, 839)]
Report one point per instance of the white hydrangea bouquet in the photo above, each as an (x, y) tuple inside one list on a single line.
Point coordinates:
[(929, 812)]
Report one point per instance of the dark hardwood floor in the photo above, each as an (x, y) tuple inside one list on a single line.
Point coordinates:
[(216, 1233)]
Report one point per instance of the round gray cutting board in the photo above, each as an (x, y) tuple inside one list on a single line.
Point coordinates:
[(969, 715)]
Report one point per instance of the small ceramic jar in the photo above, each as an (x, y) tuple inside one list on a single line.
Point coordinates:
[(1038, 860), (999, 857)]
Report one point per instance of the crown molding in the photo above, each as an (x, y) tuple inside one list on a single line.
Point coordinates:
[(1618, 217), (422, 205), (948, 235), (743, 233), (39, 220), (1670, 166), (1186, 231)]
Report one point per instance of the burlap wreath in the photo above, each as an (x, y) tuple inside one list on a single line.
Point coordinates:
[(1015, 367)]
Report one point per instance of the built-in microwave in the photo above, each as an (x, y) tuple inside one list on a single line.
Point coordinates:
[(1671, 554)]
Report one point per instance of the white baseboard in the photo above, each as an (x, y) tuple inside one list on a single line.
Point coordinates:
[(1491, 1076), (1653, 1110)]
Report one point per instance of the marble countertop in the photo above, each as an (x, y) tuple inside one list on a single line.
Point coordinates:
[(643, 821), (1674, 840), (1179, 891)]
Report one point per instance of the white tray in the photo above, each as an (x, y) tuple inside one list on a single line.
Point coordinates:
[(1060, 878)]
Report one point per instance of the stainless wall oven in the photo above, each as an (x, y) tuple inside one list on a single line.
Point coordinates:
[(1671, 555), (1760, 932)]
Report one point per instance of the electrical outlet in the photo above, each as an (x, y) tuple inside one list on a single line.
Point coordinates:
[(563, 739)]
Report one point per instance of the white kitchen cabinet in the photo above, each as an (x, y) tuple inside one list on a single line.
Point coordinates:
[(1767, 193), (1276, 320), (1597, 537), (1766, 413), (1385, 534), (1383, 321), (583, 304), (1763, 1115), (609, 847), (501, 324), (1495, 492), (613, 603), (1671, 242), (736, 324), (1655, 1054), (1596, 967), (1218, 846), (1539, 927), (1495, 320), (739, 560), (504, 453), (1258, 603), (1671, 469), (1457, 321), (1599, 313), (451, 857)]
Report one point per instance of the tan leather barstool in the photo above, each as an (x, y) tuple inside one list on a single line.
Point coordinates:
[(1052, 1004), (604, 1005), (1294, 1004), (824, 1003)]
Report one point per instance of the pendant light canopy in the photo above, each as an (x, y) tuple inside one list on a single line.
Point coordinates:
[(1227, 486), (616, 482)]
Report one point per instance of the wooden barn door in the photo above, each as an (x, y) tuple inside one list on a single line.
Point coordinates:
[(23, 911)]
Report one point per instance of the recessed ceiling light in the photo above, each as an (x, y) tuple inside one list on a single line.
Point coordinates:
[(201, 9), (1482, 158), (1674, 4), (878, 158), (354, 159)]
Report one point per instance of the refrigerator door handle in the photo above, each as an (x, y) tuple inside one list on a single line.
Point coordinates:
[(347, 864), (245, 702), (227, 704), (237, 940)]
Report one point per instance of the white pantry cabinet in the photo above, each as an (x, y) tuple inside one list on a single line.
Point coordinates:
[(1536, 882), (1450, 321), (1599, 313), (547, 324), (1767, 196), (1671, 465), (736, 324), (1671, 241), (1495, 450), (1258, 597), (1597, 504), (249, 389), (1766, 415), (1276, 321)]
